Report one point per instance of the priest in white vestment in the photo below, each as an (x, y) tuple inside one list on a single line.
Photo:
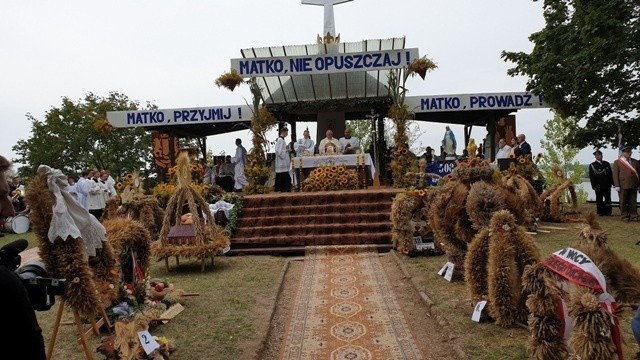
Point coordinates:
[(329, 145), (240, 159), (349, 144)]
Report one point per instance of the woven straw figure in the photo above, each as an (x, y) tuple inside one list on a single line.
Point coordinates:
[(405, 206), (494, 265), (144, 208), (131, 242), (468, 199), (210, 239)]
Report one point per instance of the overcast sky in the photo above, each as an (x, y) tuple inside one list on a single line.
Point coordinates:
[(170, 52)]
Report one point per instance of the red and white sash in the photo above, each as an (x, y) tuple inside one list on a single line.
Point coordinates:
[(627, 164), (576, 267)]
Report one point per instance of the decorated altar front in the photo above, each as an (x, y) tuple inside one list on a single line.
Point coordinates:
[(304, 165)]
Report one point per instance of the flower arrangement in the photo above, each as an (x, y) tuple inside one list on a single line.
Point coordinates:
[(229, 80), (526, 167), (331, 178), (421, 66), (237, 201), (197, 171)]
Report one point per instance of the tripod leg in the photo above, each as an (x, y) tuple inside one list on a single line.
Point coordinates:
[(83, 338), (56, 329)]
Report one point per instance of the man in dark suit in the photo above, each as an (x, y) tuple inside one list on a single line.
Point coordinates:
[(626, 179), (601, 178), (523, 147)]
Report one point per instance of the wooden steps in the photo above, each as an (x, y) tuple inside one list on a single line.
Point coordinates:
[(285, 223)]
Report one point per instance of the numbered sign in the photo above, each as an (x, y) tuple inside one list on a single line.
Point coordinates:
[(147, 341), (477, 311)]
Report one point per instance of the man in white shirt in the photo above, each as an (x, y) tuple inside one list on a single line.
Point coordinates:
[(304, 146), (349, 144), (329, 145), (503, 151)]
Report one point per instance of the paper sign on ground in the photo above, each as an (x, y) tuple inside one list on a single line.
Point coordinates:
[(477, 311), (447, 271), (147, 341)]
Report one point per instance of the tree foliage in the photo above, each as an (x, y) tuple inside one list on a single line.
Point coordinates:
[(362, 129), (586, 64), (560, 156), (76, 136)]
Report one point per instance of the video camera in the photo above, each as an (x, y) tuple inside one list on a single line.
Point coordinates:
[(41, 289)]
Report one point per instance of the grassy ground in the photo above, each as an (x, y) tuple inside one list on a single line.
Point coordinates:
[(230, 317)]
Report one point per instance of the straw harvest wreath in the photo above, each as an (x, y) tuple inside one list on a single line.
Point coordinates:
[(467, 200), (72, 244), (210, 238), (405, 207), (592, 312)]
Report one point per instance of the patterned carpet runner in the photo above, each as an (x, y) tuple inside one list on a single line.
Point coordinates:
[(346, 309)]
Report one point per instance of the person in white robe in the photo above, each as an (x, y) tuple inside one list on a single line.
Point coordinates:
[(82, 188), (349, 144), (329, 145), (283, 163), (240, 159), (304, 146)]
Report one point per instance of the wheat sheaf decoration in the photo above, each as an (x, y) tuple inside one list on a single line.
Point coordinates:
[(229, 80), (64, 258), (209, 237)]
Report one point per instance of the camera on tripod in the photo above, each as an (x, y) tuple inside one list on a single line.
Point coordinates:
[(41, 288)]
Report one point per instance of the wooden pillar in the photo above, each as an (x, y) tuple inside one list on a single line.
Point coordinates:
[(334, 120), (491, 137), (293, 131)]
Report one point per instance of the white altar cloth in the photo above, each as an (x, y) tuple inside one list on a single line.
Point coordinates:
[(346, 160)]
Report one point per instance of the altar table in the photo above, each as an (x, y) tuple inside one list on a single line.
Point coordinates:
[(349, 160)]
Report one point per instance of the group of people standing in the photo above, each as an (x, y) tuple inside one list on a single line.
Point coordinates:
[(348, 144), (93, 189), (623, 176), (228, 171), (17, 192)]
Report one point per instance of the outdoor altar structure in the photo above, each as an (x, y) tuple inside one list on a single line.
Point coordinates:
[(327, 82)]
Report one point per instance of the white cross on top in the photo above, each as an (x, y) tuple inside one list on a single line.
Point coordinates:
[(329, 21)]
